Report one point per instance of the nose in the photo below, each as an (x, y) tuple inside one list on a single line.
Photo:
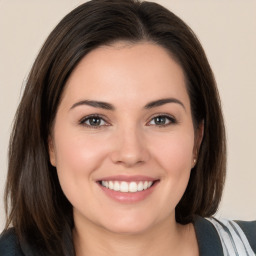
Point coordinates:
[(130, 148)]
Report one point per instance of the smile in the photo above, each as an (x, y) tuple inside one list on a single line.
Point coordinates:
[(123, 186), (128, 189)]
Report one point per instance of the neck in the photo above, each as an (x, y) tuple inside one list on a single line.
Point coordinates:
[(164, 239)]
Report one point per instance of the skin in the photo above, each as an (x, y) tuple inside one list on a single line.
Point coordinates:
[(128, 141)]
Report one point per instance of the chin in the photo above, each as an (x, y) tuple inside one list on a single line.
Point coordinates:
[(129, 225)]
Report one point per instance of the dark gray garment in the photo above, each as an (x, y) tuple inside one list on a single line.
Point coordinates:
[(208, 239)]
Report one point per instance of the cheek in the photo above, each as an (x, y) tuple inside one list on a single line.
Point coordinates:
[(174, 152), (78, 153), (174, 155), (77, 156), (175, 158)]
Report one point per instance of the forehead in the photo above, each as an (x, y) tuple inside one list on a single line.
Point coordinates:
[(142, 72)]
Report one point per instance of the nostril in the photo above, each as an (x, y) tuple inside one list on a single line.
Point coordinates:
[(129, 159)]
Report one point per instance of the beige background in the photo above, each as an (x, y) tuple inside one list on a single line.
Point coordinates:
[(227, 30)]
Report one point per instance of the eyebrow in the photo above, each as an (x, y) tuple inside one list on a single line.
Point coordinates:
[(161, 102), (95, 104), (108, 106)]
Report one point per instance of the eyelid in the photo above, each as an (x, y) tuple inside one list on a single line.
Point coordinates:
[(172, 119), (85, 118)]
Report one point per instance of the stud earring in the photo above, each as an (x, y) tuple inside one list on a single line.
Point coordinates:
[(194, 162)]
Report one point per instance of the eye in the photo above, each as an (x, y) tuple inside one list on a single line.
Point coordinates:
[(93, 121), (162, 120)]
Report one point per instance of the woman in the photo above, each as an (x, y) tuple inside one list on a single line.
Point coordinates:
[(118, 146)]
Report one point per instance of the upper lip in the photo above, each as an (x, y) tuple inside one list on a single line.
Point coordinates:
[(128, 178)]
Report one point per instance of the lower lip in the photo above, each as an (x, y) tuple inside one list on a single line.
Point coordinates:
[(129, 197)]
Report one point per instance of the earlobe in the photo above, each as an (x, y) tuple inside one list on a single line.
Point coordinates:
[(51, 151)]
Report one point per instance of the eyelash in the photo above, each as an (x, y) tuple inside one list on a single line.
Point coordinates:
[(90, 117), (171, 120)]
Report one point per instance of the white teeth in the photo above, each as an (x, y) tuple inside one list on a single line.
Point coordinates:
[(145, 185), (133, 187), (105, 184), (140, 186), (124, 186), (116, 186), (110, 185)]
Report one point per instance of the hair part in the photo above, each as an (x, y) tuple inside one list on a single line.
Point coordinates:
[(35, 204)]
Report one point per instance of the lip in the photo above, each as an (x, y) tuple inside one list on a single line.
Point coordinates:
[(128, 197), (128, 178)]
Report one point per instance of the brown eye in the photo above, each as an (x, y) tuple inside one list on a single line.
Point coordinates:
[(162, 120), (93, 121)]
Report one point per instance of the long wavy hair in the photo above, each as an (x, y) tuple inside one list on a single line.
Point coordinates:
[(35, 204)]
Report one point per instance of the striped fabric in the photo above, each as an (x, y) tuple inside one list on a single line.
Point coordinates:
[(233, 239)]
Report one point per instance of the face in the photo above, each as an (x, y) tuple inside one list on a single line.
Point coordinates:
[(123, 140)]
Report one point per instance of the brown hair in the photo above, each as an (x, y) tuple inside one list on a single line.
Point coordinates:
[(38, 209)]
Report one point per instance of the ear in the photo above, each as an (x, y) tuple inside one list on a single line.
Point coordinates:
[(199, 134), (51, 151)]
